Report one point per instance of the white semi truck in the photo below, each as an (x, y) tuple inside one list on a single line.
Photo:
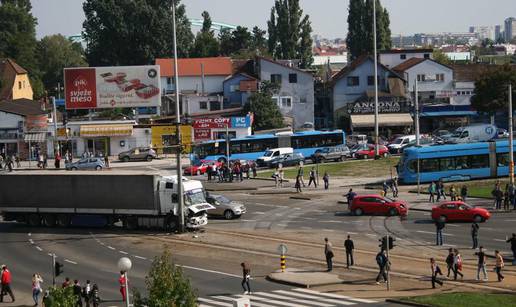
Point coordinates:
[(137, 200)]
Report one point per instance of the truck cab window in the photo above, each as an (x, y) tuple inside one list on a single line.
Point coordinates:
[(175, 199), (169, 185)]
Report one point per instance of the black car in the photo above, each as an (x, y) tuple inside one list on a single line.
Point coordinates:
[(286, 160)]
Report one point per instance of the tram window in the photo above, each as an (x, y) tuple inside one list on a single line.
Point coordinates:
[(462, 163), (429, 165), (479, 161), (502, 159), (447, 164)]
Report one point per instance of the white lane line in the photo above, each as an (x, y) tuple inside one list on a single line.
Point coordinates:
[(50, 254), (248, 220), (433, 233), (232, 299), (39, 248), (328, 230), (212, 302), (258, 212), (31, 241), (509, 220), (122, 252), (140, 257), (102, 243), (334, 296), (70, 261), (272, 302), (454, 225), (294, 300), (305, 227), (330, 222), (210, 271), (312, 297), (500, 240), (352, 233), (111, 247), (370, 234), (427, 213), (282, 225)]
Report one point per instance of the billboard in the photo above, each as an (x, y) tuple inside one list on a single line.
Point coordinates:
[(164, 137), (221, 122), (112, 87)]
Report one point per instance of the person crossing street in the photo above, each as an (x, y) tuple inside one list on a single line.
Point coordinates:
[(246, 276), (328, 253), (512, 240), (6, 280), (439, 226), (383, 262), (436, 270), (474, 234), (449, 261), (349, 246), (312, 177), (482, 259)]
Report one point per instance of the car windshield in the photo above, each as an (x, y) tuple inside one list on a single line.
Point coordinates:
[(222, 199), (387, 199), (324, 150), (268, 153), (397, 141), (195, 198)]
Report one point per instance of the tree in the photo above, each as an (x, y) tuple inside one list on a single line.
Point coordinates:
[(206, 45), (289, 32), (226, 41), (491, 90), (166, 285), (54, 53), (360, 28), (440, 57), (259, 42), (133, 32), (266, 113), (60, 297)]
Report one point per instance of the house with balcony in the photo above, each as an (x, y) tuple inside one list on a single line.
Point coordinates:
[(14, 81)]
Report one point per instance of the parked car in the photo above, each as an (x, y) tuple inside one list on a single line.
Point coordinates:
[(200, 169), (225, 207), (376, 204), (290, 159), (369, 152), (271, 154), (138, 153), (397, 144), (458, 211), (86, 163), (353, 150), (337, 153), (422, 141)]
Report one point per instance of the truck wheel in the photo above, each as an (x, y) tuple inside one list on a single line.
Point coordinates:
[(49, 220), (228, 215), (131, 222), (34, 220), (64, 220)]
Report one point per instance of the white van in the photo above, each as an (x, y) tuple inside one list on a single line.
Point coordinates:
[(474, 133), (400, 142), (273, 153)]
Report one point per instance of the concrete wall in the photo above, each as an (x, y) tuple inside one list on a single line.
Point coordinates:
[(430, 69), (212, 84), (302, 92), (9, 120)]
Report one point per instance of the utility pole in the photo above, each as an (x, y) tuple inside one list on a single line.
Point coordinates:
[(56, 143), (227, 144), (53, 269), (416, 118), (511, 151), (388, 265), (376, 129), (180, 196)]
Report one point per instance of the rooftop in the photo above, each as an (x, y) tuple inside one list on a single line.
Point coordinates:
[(191, 67), (416, 50), (24, 107)]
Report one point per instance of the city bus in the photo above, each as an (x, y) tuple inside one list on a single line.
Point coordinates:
[(454, 162), (253, 146)]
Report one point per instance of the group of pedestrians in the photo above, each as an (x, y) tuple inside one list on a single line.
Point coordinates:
[(349, 247), (89, 294), (312, 179), (436, 191), (234, 171), (507, 197), (8, 162), (390, 185)]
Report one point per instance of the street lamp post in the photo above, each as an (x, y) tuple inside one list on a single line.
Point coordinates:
[(125, 264), (511, 151), (376, 129), (416, 123)]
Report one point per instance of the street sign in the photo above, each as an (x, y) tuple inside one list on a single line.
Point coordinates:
[(282, 249)]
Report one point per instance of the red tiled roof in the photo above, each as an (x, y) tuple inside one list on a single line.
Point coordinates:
[(407, 64), (218, 66)]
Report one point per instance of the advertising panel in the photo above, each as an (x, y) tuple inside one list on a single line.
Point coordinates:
[(221, 122), (112, 87), (201, 134), (163, 137)]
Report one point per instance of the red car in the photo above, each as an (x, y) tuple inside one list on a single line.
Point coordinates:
[(369, 152), (200, 169), (376, 204), (458, 211)]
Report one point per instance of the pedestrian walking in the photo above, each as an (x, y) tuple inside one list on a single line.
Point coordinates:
[(512, 196), (57, 161), (440, 190), (328, 253), (6, 280), (106, 161), (300, 174), (275, 175), (66, 283), (464, 192), (499, 265), (385, 188), (312, 177), (431, 190), (326, 179), (350, 197), (298, 184), (17, 160), (77, 291), (281, 177), (512, 240), (449, 261), (436, 270), (439, 226), (453, 193), (482, 261), (36, 288), (349, 246), (9, 163), (394, 187), (382, 261), (474, 234), (246, 276), (498, 197), (253, 167), (457, 264), (122, 282), (86, 293)]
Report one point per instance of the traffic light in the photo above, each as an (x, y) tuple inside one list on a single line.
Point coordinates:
[(58, 269), (391, 242), (383, 243)]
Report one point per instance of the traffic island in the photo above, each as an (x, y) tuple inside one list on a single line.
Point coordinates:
[(304, 278), (459, 299)]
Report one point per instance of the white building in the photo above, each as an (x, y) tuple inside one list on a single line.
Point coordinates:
[(391, 58)]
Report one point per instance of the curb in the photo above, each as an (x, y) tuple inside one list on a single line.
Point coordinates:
[(419, 209), (230, 189), (401, 302), (296, 284), (267, 179), (300, 197)]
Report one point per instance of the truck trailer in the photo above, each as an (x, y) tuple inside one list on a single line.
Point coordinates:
[(137, 200)]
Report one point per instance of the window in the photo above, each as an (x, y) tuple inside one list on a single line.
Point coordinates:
[(19, 85), (234, 88), (502, 159), (370, 80), (276, 78), (276, 100), (203, 105), (302, 100), (286, 102), (403, 56), (214, 105), (439, 77), (426, 55), (353, 81), (292, 78), (421, 78), (170, 80), (169, 185)]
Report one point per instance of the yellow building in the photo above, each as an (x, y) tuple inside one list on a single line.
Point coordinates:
[(164, 137), (14, 81)]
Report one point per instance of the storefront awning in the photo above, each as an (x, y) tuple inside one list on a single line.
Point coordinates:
[(35, 137), (384, 120), (449, 113), (105, 130)]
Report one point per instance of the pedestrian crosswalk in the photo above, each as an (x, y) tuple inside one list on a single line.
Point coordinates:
[(297, 297)]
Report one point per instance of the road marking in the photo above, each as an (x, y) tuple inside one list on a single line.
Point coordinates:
[(295, 300), (50, 254), (499, 240), (427, 213), (258, 212), (102, 243), (111, 247), (140, 257), (212, 302), (335, 296), (433, 233), (31, 241), (509, 220), (282, 225), (370, 234), (326, 300), (257, 298), (30, 234), (488, 228), (39, 248), (122, 252), (328, 230), (70, 261), (305, 227), (330, 222), (352, 233), (232, 299), (454, 225), (209, 271), (248, 220)]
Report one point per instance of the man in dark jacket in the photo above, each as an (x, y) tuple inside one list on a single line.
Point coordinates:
[(328, 252), (349, 246), (77, 291), (439, 226), (512, 240), (474, 234), (383, 262)]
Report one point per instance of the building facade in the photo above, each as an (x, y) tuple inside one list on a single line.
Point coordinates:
[(391, 58), (15, 83), (510, 29)]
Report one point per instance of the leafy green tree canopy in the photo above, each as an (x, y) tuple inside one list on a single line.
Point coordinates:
[(206, 45), (266, 113), (491, 90)]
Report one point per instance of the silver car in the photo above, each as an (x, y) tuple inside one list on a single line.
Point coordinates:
[(225, 207), (86, 163), (139, 153)]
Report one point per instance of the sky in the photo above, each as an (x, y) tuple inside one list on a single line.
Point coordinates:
[(329, 17)]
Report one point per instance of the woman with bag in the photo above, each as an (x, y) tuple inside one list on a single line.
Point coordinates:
[(436, 270), (246, 274), (36, 288)]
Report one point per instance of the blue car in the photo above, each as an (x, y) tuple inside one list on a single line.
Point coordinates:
[(86, 164)]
